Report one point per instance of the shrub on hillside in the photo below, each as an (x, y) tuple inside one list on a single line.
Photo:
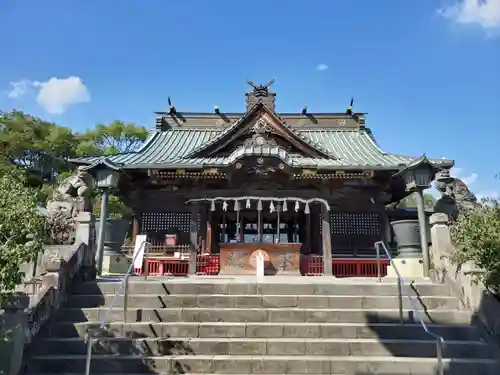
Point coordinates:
[(476, 235), (22, 228)]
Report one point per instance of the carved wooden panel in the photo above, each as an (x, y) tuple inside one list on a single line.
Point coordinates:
[(163, 222), (279, 259), (354, 233), (343, 224)]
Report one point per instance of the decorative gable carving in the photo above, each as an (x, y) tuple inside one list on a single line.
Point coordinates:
[(260, 135), (262, 127)]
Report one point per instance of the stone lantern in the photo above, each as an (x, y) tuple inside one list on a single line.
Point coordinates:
[(410, 235), (106, 175)]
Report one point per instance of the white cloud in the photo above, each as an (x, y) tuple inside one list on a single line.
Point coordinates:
[(467, 178), (322, 67), (18, 88), (56, 94), (485, 194), (485, 13)]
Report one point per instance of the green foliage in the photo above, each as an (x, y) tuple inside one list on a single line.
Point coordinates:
[(114, 138), (39, 147), (117, 209), (411, 202), (22, 228), (476, 235)]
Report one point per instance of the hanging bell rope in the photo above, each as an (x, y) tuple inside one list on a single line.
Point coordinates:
[(271, 207), (266, 199), (297, 206)]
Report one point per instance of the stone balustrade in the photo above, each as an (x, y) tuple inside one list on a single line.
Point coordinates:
[(484, 305), (62, 267)]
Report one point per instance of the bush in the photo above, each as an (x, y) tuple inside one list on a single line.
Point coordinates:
[(22, 228), (476, 235)]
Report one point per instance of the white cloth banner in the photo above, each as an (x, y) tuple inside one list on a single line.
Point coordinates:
[(139, 248)]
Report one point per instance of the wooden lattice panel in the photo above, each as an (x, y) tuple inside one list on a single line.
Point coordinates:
[(349, 224), (162, 222)]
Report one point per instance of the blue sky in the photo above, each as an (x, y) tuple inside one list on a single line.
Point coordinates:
[(427, 72)]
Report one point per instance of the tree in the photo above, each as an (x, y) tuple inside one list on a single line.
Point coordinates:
[(41, 148), (411, 202), (476, 235), (114, 138), (117, 137), (22, 228)]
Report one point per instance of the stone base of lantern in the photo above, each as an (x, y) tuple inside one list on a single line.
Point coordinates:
[(407, 267), (114, 263)]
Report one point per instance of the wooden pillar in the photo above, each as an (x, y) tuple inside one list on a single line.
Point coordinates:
[(278, 223), (135, 226), (193, 236), (224, 229), (327, 241), (209, 231), (308, 233)]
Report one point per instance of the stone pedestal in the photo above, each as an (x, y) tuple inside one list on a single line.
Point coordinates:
[(115, 263), (407, 267)]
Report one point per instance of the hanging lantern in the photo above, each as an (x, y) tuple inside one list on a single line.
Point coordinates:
[(259, 205), (306, 210), (297, 206), (271, 207), (212, 206), (248, 204), (224, 206), (285, 208), (236, 205)]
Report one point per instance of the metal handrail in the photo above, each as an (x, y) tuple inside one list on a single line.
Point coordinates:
[(401, 284), (124, 284)]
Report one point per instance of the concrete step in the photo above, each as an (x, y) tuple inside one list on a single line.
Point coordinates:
[(275, 346), (235, 287), (209, 364), (266, 330), (259, 315), (256, 301)]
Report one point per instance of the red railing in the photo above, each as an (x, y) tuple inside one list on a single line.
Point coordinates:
[(310, 265)]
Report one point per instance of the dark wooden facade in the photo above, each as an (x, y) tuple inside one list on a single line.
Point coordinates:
[(195, 166)]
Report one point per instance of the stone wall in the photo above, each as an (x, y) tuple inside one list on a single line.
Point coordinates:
[(62, 267), (483, 304)]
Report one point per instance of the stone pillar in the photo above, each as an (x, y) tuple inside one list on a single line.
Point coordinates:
[(327, 241), (422, 220), (85, 233), (13, 324), (441, 242)]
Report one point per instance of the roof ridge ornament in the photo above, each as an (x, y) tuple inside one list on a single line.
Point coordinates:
[(261, 90)]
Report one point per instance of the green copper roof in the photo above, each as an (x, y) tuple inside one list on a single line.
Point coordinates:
[(353, 148)]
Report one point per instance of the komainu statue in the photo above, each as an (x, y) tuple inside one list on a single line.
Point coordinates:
[(455, 195), (70, 198)]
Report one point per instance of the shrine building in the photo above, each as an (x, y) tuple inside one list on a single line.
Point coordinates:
[(287, 186)]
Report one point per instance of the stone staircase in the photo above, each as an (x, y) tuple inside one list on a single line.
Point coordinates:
[(280, 326)]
